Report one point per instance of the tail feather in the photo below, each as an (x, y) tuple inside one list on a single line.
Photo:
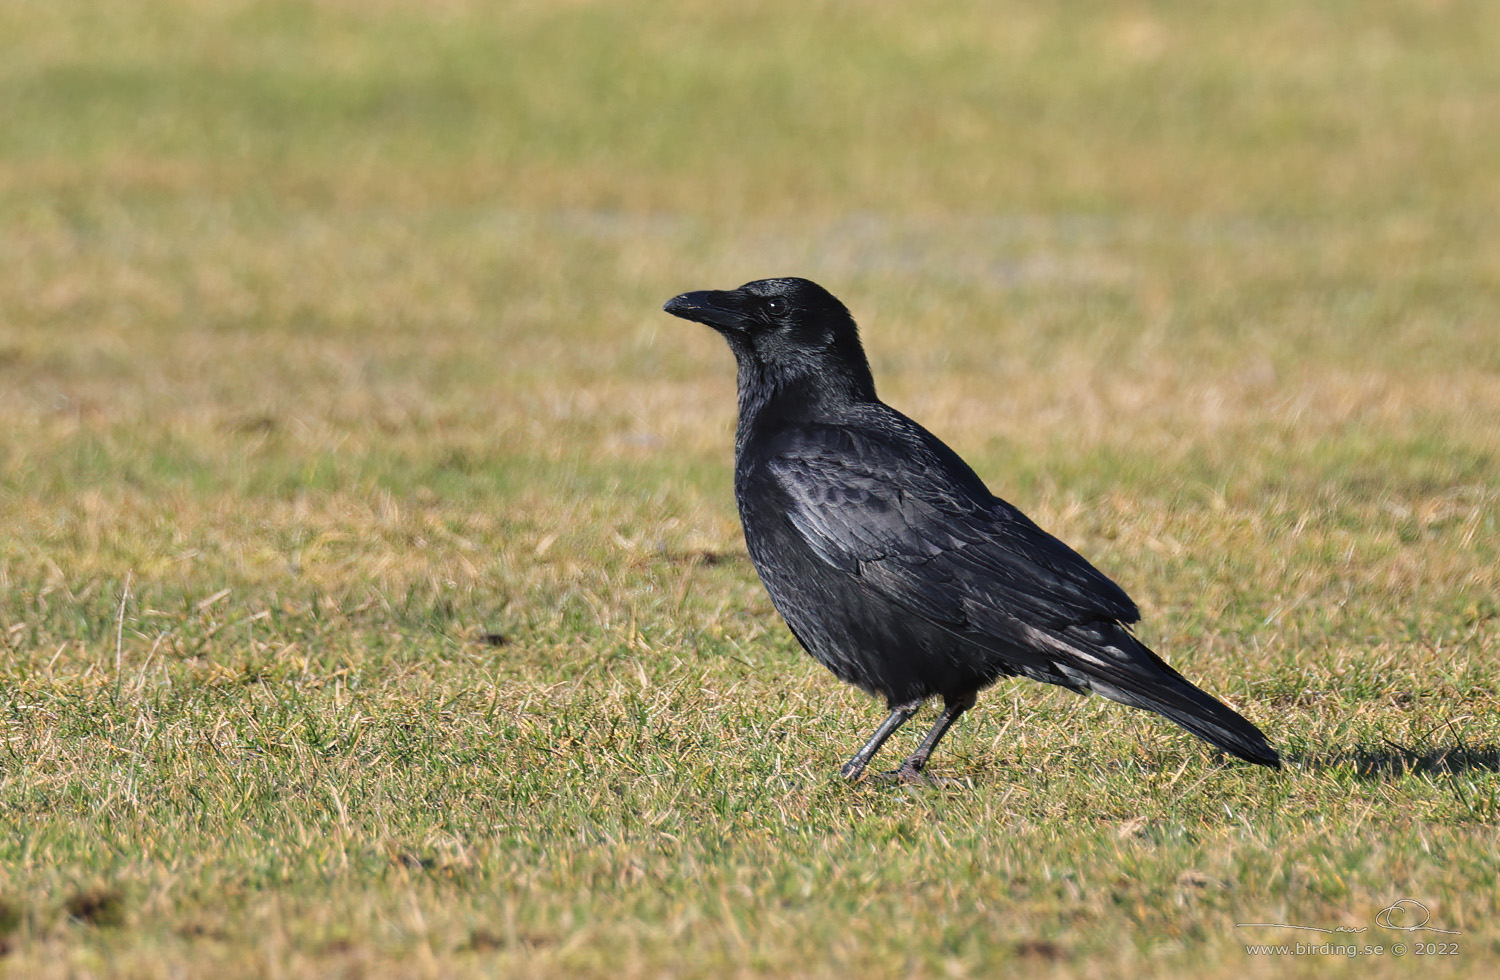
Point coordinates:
[(1117, 665)]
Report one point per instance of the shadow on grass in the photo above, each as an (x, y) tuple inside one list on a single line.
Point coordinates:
[(1389, 759)]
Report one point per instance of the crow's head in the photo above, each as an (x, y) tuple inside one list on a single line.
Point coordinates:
[(784, 332)]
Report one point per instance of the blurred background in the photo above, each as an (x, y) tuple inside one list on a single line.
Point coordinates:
[(287, 282), (255, 248)]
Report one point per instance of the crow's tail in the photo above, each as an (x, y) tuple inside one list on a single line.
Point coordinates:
[(1117, 665)]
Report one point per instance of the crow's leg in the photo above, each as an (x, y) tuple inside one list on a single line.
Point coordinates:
[(899, 716), (911, 769)]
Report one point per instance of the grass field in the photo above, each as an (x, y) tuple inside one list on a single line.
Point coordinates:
[(372, 601)]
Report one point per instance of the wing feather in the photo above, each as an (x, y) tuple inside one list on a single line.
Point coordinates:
[(929, 537)]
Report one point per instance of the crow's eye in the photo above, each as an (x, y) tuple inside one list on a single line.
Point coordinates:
[(776, 306)]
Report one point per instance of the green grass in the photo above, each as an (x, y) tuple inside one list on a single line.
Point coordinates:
[(372, 602)]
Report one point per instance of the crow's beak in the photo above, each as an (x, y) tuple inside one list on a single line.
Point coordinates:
[(717, 308)]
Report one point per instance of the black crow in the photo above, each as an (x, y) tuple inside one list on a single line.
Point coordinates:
[(892, 563)]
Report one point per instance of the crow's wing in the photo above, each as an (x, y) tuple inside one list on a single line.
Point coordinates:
[(908, 517)]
